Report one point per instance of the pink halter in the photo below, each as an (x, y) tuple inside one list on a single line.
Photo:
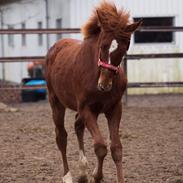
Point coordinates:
[(104, 64), (108, 66)]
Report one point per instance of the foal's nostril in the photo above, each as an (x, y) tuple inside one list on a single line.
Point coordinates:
[(100, 87), (104, 88), (108, 87)]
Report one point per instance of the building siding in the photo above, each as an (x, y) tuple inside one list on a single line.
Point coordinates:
[(74, 13), (30, 12), (160, 69)]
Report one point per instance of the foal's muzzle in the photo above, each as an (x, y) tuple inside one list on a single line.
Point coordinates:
[(104, 88)]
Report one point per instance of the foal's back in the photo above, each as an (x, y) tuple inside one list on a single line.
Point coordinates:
[(65, 47)]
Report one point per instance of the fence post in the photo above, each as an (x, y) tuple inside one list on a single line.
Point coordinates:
[(126, 72), (2, 43)]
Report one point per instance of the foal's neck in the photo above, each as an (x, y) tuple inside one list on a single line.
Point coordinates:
[(92, 46)]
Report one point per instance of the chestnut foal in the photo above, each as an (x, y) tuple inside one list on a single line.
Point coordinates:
[(87, 77)]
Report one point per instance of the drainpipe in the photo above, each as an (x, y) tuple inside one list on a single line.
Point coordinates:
[(2, 44), (47, 23)]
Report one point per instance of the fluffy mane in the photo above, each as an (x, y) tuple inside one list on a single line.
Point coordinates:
[(109, 17)]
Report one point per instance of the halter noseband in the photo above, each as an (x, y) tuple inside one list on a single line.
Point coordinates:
[(104, 64), (107, 66)]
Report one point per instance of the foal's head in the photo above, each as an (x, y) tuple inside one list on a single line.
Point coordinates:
[(114, 32)]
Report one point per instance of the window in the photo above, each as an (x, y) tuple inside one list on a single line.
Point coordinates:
[(23, 35), (10, 37), (58, 26), (154, 37), (40, 36)]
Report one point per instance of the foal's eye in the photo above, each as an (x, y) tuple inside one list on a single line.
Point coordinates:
[(114, 46)]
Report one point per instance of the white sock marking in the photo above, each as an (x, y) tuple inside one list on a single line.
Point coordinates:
[(83, 163), (67, 178)]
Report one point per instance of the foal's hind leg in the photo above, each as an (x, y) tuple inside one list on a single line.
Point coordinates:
[(58, 111), (83, 163)]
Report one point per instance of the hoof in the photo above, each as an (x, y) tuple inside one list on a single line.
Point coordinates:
[(83, 179), (97, 178), (93, 180), (67, 178), (83, 166)]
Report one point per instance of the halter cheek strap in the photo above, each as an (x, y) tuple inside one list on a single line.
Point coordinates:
[(108, 66)]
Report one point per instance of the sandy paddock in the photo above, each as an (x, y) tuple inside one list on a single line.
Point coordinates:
[(151, 133)]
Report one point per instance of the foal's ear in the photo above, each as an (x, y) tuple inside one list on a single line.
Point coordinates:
[(133, 27)]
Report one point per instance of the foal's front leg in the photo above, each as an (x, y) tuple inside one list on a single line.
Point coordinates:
[(114, 117), (100, 147), (83, 163)]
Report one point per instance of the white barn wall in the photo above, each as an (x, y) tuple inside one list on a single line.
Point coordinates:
[(161, 69), (74, 14), (58, 9), (144, 70), (30, 12), (14, 14), (80, 11)]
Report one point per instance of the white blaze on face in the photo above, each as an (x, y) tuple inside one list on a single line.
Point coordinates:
[(113, 47)]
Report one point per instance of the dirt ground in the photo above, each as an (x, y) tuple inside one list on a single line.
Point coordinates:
[(151, 133)]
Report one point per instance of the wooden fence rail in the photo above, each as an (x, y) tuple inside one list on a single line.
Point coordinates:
[(126, 59), (77, 30)]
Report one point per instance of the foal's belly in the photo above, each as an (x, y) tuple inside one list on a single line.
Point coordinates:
[(101, 106), (62, 75), (64, 93), (68, 100)]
